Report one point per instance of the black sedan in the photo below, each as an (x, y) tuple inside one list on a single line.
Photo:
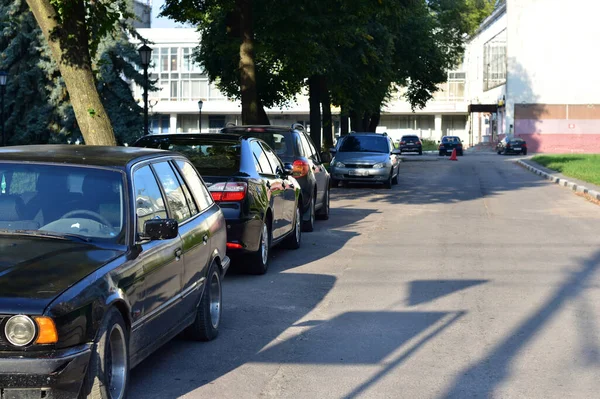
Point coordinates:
[(106, 253), (449, 144), (296, 149), (512, 145), (411, 143), (261, 200)]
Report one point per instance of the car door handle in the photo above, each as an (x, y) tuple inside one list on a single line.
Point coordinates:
[(178, 253), (205, 239)]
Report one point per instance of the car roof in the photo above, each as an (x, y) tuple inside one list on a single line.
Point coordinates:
[(263, 129), (366, 134), (105, 156)]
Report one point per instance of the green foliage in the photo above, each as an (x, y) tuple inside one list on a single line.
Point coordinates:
[(37, 104), (585, 167), (429, 145)]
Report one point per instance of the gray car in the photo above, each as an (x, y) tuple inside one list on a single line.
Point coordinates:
[(365, 158)]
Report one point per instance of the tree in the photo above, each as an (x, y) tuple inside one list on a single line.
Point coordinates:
[(74, 29)]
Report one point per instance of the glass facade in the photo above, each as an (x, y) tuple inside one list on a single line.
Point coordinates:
[(454, 89), (494, 61)]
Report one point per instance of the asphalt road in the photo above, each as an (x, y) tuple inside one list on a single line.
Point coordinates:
[(470, 279)]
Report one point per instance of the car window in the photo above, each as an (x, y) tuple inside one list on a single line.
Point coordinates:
[(373, 143), (261, 158), (176, 200), (313, 152), (149, 203), (281, 142), (199, 190), (186, 192), (308, 152), (273, 160), (451, 140)]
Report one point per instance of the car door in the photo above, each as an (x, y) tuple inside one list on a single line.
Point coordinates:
[(162, 268), (394, 158), (321, 174), (289, 193), (197, 234)]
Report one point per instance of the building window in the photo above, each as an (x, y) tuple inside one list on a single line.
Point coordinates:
[(454, 89), (494, 61), (160, 123), (187, 123), (216, 123)]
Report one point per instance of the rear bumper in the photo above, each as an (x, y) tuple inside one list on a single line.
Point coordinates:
[(244, 232), (408, 148), (58, 374)]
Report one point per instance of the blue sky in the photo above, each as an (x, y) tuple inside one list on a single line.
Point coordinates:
[(160, 22)]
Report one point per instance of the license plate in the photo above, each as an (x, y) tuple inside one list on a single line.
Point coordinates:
[(517, 148), (358, 173)]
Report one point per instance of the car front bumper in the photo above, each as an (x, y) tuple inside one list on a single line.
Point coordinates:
[(51, 375), (361, 174)]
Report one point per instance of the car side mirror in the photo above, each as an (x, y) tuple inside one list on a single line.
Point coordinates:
[(325, 157), (160, 229), (288, 169), (396, 151)]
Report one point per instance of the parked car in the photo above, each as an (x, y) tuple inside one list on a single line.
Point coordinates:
[(512, 145), (365, 158), (450, 143), (261, 200), (296, 149), (411, 143), (107, 253)]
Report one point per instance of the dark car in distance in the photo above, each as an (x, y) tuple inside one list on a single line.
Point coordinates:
[(296, 149), (257, 193), (411, 143), (449, 144), (511, 145), (106, 253)]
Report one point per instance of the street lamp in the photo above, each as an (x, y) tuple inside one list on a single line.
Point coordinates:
[(145, 54), (3, 79), (200, 104)]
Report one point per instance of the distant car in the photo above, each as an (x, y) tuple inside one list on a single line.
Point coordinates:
[(295, 148), (512, 145), (450, 143), (365, 158), (411, 143), (107, 254), (257, 193)]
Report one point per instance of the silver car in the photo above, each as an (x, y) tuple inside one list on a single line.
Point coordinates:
[(365, 158)]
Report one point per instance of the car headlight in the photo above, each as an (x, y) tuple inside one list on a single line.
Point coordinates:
[(19, 330), (379, 165), (339, 165)]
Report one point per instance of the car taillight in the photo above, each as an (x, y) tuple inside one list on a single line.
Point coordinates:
[(441, 146), (300, 168), (524, 145), (507, 145), (234, 245), (403, 142), (228, 192), (459, 145), (418, 143)]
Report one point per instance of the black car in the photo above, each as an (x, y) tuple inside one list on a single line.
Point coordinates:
[(512, 145), (450, 143), (259, 197), (295, 148), (411, 143), (106, 253)]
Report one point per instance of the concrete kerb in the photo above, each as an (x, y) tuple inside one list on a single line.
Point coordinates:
[(561, 181)]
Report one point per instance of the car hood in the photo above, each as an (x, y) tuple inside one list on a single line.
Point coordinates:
[(361, 157), (35, 270)]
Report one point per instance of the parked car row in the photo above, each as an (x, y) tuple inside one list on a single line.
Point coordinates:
[(109, 252)]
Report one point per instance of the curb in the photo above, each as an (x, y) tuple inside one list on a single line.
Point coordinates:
[(561, 181)]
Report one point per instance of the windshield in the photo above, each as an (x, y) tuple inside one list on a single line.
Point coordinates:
[(451, 140), (364, 144), (210, 157), (67, 201)]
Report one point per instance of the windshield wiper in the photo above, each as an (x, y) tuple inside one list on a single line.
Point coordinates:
[(49, 234)]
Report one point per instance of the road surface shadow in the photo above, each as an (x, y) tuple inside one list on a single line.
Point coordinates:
[(423, 291), (481, 379)]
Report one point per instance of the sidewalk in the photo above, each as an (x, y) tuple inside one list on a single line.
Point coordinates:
[(579, 186)]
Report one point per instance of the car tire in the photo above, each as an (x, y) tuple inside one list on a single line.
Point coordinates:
[(259, 260), (388, 183), (294, 239), (440, 154), (107, 375), (309, 225), (395, 178), (420, 152), (460, 154), (524, 152), (208, 316), (499, 152), (333, 183), (323, 213)]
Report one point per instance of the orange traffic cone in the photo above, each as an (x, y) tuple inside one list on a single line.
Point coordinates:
[(453, 156)]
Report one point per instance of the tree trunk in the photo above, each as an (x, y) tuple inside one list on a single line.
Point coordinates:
[(355, 121), (327, 119), (251, 112), (374, 121), (70, 49), (344, 124), (314, 100)]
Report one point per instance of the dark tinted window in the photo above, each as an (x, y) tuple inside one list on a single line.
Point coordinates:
[(411, 138), (354, 143), (280, 142), (149, 202), (450, 140), (178, 205), (203, 197), (517, 141)]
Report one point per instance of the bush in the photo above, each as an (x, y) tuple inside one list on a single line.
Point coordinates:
[(429, 145)]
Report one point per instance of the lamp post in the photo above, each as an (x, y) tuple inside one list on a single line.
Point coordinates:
[(3, 79), (200, 104), (145, 52)]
